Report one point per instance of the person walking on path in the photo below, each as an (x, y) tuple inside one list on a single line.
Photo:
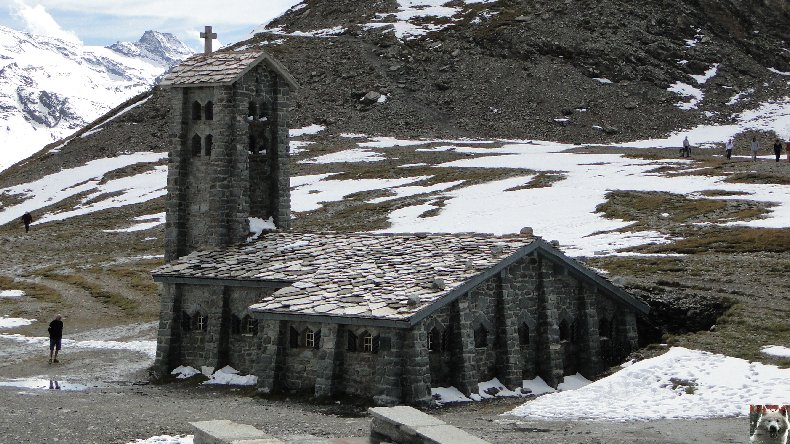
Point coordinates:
[(686, 151), (27, 219), (728, 147), (778, 149), (55, 336), (755, 147)]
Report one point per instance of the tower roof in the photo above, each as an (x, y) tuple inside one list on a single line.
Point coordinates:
[(222, 68)]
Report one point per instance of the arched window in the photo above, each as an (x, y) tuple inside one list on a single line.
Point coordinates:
[(434, 340), (251, 145), (208, 110), (264, 108), (196, 145), (293, 338), (564, 330), (574, 332), (196, 110), (447, 337), (523, 334), (201, 322), (603, 328), (209, 144), (186, 322), (481, 337), (235, 325), (252, 109), (351, 341), (249, 326)]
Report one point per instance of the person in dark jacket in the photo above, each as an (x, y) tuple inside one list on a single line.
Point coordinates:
[(27, 219), (778, 149), (55, 336)]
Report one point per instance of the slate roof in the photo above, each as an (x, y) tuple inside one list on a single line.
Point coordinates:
[(221, 68), (381, 276)]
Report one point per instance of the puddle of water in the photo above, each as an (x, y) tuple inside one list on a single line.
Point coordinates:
[(44, 384)]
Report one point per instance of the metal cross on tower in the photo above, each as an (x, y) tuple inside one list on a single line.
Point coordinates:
[(207, 36)]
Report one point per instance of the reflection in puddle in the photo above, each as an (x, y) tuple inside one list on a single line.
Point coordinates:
[(43, 384)]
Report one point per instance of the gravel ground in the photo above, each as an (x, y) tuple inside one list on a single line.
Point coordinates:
[(119, 406)]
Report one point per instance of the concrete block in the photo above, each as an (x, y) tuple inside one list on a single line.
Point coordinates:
[(408, 425), (446, 434), (222, 431)]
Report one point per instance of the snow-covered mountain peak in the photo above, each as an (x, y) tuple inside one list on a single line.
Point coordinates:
[(159, 47), (50, 87)]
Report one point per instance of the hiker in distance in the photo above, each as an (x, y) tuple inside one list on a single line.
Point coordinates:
[(755, 147), (55, 336), (686, 150), (778, 149), (728, 147), (27, 219)]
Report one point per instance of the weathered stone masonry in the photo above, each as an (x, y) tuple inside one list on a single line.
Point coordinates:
[(385, 317)]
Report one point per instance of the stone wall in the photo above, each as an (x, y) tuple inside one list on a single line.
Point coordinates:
[(182, 342), (541, 321), (215, 180)]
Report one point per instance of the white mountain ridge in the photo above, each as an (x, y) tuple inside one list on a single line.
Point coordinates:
[(50, 88)]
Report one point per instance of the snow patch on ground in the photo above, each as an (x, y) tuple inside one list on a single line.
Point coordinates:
[(306, 131), (680, 384), (184, 372), (537, 386), (11, 293), (348, 156), (444, 395), (414, 190), (6, 322), (309, 196), (145, 222), (230, 376), (776, 351), (166, 439), (72, 181), (693, 95), (573, 382)]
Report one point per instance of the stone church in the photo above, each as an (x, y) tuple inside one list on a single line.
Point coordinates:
[(380, 316)]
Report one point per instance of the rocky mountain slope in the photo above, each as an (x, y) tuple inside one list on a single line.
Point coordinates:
[(50, 88)]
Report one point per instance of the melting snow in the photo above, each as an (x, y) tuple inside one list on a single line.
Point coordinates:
[(679, 384), (6, 322), (166, 439), (776, 351), (306, 131), (184, 372), (146, 222), (352, 155), (72, 181), (694, 95), (230, 376), (11, 293)]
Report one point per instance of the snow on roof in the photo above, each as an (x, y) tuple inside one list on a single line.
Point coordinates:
[(365, 275), (221, 68)]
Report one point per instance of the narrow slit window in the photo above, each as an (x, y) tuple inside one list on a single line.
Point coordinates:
[(209, 144), (196, 145), (208, 110)]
